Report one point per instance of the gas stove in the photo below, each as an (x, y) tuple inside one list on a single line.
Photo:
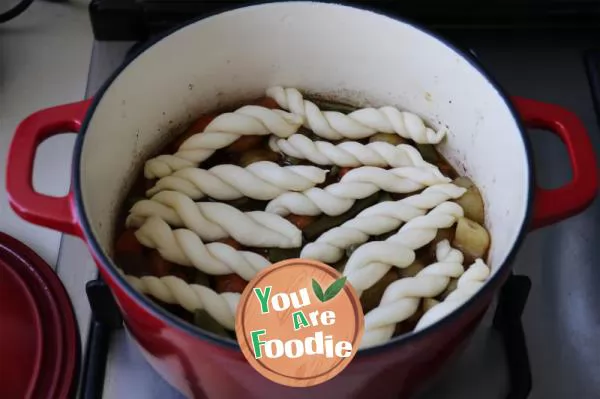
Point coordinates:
[(539, 338)]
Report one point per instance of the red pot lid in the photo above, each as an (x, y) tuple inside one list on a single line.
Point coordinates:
[(39, 342)]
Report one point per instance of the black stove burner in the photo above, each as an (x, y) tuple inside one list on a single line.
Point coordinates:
[(134, 20), (507, 321)]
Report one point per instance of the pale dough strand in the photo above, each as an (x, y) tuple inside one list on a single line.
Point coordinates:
[(401, 299), (378, 219), (359, 124), (212, 221), (185, 248), (371, 261), (262, 181), (348, 153), (250, 120), (468, 285), (358, 183), (175, 291)]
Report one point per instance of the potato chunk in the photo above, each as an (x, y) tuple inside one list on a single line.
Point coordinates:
[(471, 201), (413, 269), (257, 156), (388, 138), (428, 303), (471, 238)]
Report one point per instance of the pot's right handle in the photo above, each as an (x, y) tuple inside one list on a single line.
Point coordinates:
[(40, 209), (551, 206)]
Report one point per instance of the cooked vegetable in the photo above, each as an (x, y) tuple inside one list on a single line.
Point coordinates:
[(201, 278), (231, 242), (266, 102), (471, 201), (371, 297), (230, 283), (343, 171), (325, 223), (471, 238), (245, 143), (325, 105), (257, 155), (287, 160), (413, 269), (463, 182), (158, 266), (428, 303), (388, 138), (279, 254), (301, 221), (198, 126), (205, 321), (428, 152), (451, 287), (442, 234), (128, 243)]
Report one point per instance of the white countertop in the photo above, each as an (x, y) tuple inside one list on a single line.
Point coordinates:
[(44, 61)]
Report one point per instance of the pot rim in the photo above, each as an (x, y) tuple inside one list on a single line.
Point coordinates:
[(169, 319)]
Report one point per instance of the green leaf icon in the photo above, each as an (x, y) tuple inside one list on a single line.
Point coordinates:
[(334, 289), (330, 292), (318, 290)]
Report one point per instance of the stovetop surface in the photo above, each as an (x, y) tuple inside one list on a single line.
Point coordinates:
[(562, 316)]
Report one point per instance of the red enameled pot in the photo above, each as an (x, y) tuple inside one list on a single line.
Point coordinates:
[(338, 51)]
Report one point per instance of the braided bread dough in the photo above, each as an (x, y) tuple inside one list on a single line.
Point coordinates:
[(359, 124), (185, 248), (376, 220), (348, 153), (262, 180), (401, 299), (226, 128), (213, 221), (358, 183), (173, 290), (468, 284), (371, 261)]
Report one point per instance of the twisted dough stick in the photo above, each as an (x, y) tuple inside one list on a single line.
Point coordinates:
[(376, 220), (221, 132), (358, 183), (173, 290), (355, 125), (263, 180), (468, 284), (348, 153), (370, 262), (213, 221), (401, 299), (185, 248)]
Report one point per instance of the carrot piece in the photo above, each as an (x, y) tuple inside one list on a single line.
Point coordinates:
[(266, 102), (245, 143), (231, 242), (301, 221), (230, 283), (158, 266), (344, 170), (198, 126), (128, 243)]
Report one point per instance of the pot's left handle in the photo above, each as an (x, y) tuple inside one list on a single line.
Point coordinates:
[(41, 209)]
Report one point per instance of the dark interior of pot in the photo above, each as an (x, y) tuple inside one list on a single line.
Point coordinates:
[(203, 164)]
